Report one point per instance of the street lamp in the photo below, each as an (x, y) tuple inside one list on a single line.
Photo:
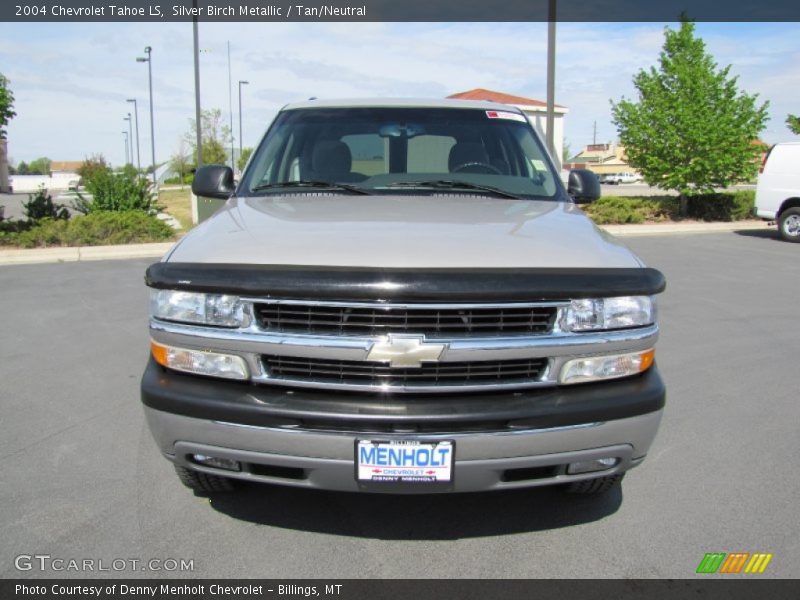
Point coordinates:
[(241, 83), (551, 81), (125, 133), (136, 116), (149, 60), (130, 131)]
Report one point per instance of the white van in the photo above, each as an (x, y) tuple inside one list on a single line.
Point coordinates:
[(778, 191)]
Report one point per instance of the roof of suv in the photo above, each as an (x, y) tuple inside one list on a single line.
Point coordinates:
[(401, 103)]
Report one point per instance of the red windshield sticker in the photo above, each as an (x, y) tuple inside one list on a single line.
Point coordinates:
[(499, 114)]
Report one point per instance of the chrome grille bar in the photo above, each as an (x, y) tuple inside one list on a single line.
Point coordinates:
[(379, 375), (376, 319)]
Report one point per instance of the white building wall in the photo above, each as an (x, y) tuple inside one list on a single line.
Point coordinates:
[(539, 120), (32, 183)]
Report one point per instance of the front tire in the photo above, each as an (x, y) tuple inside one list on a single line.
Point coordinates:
[(789, 225), (203, 482), (599, 485)]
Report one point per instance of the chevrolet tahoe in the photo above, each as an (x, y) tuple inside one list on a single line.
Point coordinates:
[(402, 296)]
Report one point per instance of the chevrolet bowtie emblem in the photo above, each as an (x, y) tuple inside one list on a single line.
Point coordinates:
[(401, 351)]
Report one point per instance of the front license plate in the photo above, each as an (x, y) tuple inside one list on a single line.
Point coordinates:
[(405, 464)]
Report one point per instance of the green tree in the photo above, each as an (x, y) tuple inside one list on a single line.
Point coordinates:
[(243, 158), (181, 161), (91, 166), (793, 123), (23, 168), (215, 136), (692, 128), (6, 105), (566, 153), (40, 166)]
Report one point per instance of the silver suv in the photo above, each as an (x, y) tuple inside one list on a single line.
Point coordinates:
[(401, 296)]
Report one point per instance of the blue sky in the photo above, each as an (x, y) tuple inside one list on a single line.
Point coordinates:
[(71, 80)]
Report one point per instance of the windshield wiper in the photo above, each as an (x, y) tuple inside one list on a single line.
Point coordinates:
[(451, 184), (311, 184)]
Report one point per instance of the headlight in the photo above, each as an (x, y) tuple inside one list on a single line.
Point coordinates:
[(596, 314), (213, 364), (594, 368), (190, 307)]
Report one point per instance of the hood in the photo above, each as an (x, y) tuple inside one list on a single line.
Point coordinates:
[(432, 231)]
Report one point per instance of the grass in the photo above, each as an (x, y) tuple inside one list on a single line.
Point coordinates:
[(178, 203)]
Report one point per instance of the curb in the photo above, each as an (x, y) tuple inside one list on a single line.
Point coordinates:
[(684, 228), (84, 253)]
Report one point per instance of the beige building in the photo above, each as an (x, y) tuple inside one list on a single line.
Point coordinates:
[(535, 109), (602, 159)]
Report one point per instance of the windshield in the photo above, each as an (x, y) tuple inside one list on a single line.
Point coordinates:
[(402, 150)]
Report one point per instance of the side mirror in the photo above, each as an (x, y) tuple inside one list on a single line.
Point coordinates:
[(213, 181), (583, 186)]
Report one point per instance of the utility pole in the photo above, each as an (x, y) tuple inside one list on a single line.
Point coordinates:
[(230, 104), (136, 116), (197, 112), (594, 134), (241, 83), (551, 80)]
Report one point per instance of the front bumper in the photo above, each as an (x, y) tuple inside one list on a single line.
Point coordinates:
[(306, 438)]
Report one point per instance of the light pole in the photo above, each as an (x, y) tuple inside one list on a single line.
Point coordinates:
[(136, 116), (551, 80), (130, 136), (149, 60), (241, 83), (125, 133)]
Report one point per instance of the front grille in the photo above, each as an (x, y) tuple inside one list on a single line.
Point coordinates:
[(368, 373), (372, 320)]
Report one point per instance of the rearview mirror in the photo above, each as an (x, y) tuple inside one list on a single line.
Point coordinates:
[(583, 186), (213, 181), (406, 130)]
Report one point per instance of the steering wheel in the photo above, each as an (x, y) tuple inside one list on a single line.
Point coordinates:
[(482, 165)]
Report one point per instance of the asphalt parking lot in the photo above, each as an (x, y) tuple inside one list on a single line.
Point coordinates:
[(14, 204), (81, 477)]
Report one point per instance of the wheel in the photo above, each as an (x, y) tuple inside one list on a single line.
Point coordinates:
[(789, 224), (481, 165), (203, 482), (600, 485)]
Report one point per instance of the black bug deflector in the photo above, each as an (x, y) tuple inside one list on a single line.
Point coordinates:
[(404, 285)]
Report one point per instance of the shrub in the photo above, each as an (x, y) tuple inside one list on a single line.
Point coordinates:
[(123, 191), (618, 209), (41, 206), (15, 225), (726, 206), (94, 229), (187, 180)]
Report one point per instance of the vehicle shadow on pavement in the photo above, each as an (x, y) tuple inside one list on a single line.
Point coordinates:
[(767, 234), (415, 517)]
